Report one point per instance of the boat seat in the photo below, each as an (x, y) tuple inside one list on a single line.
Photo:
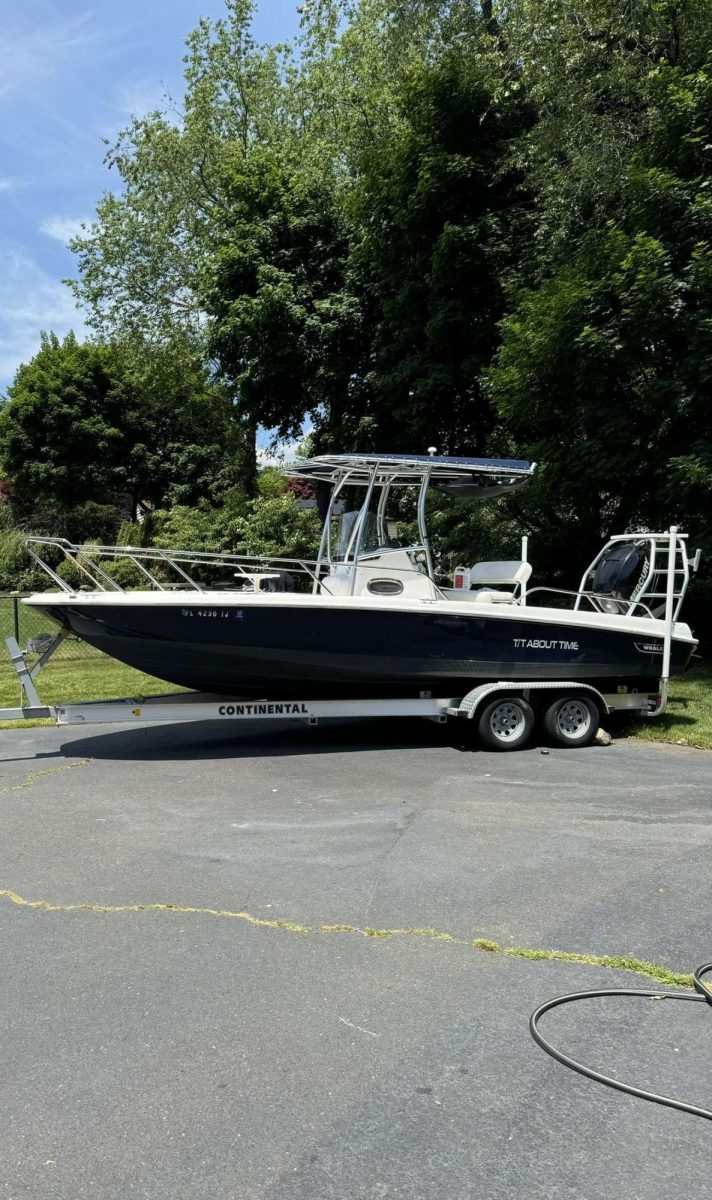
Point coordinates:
[(499, 574), (510, 574)]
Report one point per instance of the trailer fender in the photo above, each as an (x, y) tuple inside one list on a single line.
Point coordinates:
[(471, 702)]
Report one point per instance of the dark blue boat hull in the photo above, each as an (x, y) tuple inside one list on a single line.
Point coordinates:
[(320, 651)]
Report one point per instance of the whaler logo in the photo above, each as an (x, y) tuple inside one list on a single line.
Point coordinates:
[(649, 647), (544, 644), (289, 708)]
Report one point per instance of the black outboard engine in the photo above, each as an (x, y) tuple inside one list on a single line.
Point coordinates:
[(619, 575)]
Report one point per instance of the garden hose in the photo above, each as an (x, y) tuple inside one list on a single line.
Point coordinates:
[(704, 995)]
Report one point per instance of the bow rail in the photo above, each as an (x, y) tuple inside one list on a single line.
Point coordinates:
[(166, 569)]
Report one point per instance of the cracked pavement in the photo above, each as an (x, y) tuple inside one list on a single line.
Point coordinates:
[(176, 1023)]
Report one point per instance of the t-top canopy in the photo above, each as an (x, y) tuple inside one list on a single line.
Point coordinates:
[(473, 477)]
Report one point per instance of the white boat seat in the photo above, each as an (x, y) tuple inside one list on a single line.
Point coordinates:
[(499, 574), (487, 578)]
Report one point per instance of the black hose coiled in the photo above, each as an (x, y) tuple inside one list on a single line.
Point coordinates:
[(704, 995)]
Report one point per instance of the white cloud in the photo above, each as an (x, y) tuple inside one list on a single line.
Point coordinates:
[(63, 229), (138, 97), (30, 301), (7, 183), (32, 53)]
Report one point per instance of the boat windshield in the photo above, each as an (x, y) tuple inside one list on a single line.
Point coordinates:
[(371, 538)]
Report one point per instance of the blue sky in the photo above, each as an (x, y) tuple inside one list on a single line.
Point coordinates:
[(72, 74)]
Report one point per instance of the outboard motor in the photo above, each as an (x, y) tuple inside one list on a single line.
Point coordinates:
[(620, 574)]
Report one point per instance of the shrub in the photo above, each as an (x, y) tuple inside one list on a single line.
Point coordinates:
[(93, 522), (276, 525), (198, 528), (125, 573), (17, 572)]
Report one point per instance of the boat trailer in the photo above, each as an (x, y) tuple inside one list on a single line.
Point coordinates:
[(503, 711)]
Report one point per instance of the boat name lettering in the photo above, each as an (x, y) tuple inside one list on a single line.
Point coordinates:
[(649, 647), (288, 708), (544, 644)]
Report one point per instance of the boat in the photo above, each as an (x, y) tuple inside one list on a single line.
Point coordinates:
[(372, 615)]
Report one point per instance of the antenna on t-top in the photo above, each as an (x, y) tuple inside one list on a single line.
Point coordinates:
[(432, 450)]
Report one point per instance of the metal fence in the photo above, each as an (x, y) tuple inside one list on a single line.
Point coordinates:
[(33, 631), (27, 625)]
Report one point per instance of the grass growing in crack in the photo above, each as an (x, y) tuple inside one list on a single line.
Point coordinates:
[(636, 966)]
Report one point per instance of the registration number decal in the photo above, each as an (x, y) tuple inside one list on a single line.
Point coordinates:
[(237, 614)]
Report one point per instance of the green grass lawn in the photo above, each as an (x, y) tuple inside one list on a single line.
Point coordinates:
[(687, 720), (80, 673)]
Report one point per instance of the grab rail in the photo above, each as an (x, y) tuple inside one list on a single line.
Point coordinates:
[(85, 557), (591, 596)]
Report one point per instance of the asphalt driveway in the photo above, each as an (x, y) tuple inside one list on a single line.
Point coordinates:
[(238, 963)]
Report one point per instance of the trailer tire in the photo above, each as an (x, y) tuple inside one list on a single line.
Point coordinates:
[(506, 723), (572, 720)]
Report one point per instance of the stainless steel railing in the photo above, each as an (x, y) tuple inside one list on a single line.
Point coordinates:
[(164, 569)]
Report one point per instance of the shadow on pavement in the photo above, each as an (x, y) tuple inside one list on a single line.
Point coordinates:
[(219, 739)]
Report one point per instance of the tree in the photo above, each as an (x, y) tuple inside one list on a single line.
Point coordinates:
[(482, 226), (604, 372), (284, 329), (119, 426), (238, 204), (187, 435), (591, 70), (434, 210), (141, 259)]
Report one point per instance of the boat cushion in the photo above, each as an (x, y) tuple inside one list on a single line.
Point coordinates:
[(490, 596), (487, 574)]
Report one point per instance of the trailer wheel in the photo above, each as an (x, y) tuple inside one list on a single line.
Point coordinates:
[(572, 720), (506, 723)]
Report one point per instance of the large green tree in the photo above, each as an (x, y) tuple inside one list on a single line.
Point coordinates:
[(120, 425), (435, 214), (255, 206), (142, 260), (605, 369), (592, 70), (284, 328), (358, 226)]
